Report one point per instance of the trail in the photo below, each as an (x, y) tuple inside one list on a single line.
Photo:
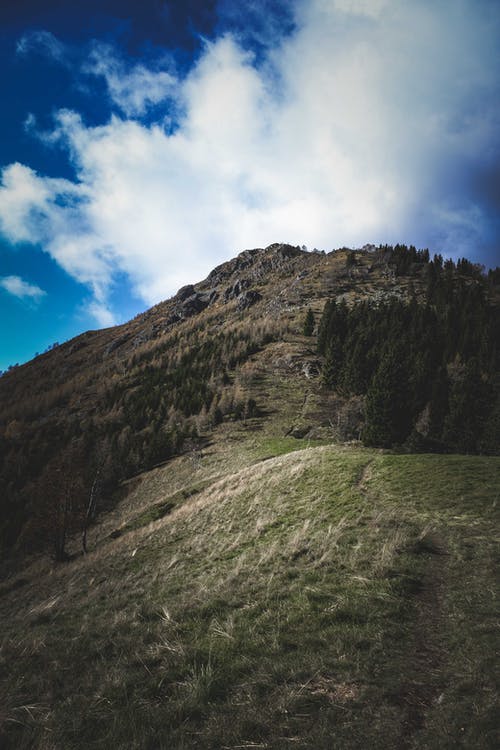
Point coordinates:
[(427, 657), (365, 476)]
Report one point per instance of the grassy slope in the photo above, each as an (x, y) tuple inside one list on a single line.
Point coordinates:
[(325, 598), (264, 596)]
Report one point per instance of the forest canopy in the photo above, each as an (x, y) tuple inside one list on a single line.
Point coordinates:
[(428, 367)]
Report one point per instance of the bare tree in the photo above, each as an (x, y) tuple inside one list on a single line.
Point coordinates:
[(91, 506), (60, 501)]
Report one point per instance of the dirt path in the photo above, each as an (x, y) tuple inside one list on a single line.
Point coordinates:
[(427, 657), (365, 476)]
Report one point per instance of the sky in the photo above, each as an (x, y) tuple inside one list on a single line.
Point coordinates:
[(142, 143)]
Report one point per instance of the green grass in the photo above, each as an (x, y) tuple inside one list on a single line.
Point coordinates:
[(326, 598), (270, 447), (156, 511)]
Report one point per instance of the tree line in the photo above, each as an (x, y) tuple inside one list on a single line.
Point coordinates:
[(427, 367), (58, 468)]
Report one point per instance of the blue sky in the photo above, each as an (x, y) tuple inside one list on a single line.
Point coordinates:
[(143, 143)]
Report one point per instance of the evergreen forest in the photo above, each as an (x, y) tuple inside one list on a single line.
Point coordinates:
[(428, 366)]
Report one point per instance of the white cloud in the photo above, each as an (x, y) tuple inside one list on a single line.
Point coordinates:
[(132, 90), (101, 314), (364, 126), (16, 286), (52, 212), (41, 41), (370, 8)]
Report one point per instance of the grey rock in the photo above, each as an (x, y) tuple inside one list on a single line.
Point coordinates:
[(111, 347), (234, 291), (185, 292), (247, 299), (194, 304), (311, 369), (299, 431)]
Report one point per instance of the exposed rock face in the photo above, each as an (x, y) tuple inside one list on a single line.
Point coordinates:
[(225, 270), (256, 263), (234, 291), (194, 304), (232, 280), (189, 302), (144, 336), (115, 344), (185, 292), (247, 299)]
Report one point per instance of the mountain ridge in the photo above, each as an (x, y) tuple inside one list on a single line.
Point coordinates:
[(135, 393), (272, 258), (198, 551)]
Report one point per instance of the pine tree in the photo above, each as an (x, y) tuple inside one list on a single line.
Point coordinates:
[(309, 321), (388, 416), (333, 363), (468, 404), (324, 324), (439, 403), (490, 438)]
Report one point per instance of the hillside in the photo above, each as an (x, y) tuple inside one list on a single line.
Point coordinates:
[(131, 393), (200, 552), (112, 403), (329, 597)]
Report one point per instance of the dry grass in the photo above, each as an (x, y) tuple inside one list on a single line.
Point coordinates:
[(326, 598), (276, 606)]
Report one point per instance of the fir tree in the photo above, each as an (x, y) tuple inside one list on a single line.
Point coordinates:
[(333, 363), (468, 405), (490, 438), (309, 321), (388, 418)]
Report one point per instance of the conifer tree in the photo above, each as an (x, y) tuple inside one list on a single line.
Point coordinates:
[(439, 403), (468, 405), (490, 438), (309, 321), (388, 417), (324, 323), (333, 363)]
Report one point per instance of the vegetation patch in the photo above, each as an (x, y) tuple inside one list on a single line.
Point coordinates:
[(323, 598)]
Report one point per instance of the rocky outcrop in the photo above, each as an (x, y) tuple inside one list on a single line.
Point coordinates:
[(311, 368), (236, 289), (225, 270), (115, 344), (189, 302), (193, 304), (184, 292), (247, 299), (256, 263)]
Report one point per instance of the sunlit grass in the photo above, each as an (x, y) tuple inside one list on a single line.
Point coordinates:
[(325, 598)]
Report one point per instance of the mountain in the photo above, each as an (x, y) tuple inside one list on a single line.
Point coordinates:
[(111, 403), (132, 391), (285, 545)]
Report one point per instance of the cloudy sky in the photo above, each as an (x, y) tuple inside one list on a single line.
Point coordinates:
[(144, 142)]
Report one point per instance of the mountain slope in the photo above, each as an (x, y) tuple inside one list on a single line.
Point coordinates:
[(128, 395), (254, 577), (112, 403), (328, 597)]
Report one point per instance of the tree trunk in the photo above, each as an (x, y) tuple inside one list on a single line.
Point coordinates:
[(91, 506)]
